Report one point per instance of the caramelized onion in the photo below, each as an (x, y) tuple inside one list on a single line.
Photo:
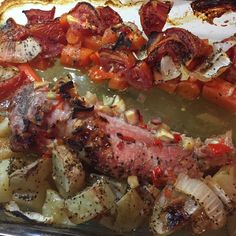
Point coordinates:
[(213, 207)]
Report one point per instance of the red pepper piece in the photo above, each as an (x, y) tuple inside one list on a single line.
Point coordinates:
[(219, 149)]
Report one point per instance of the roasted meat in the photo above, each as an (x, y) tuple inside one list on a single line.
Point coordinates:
[(110, 144)]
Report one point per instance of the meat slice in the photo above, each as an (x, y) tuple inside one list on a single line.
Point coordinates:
[(109, 144), (119, 149)]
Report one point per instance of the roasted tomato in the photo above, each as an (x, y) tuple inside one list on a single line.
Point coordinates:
[(153, 15), (35, 16), (93, 42), (108, 17), (42, 63), (116, 61), (84, 17), (181, 45), (74, 37), (188, 89), (221, 93), (168, 86), (52, 31), (140, 76), (98, 75), (76, 56), (12, 31)]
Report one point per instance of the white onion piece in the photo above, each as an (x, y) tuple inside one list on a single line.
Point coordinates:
[(224, 46), (168, 69), (14, 209), (191, 206), (8, 72), (185, 74), (212, 205), (219, 192), (215, 66), (20, 51)]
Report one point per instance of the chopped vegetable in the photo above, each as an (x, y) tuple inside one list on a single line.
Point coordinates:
[(205, 197), (54, 207), (29, 184), (19, 52), (32, 75), (119, 220), (5, 191), (91, 202), (68, 172), (14, 209)]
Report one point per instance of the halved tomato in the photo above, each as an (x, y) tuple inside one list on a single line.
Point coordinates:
[(76, 56)]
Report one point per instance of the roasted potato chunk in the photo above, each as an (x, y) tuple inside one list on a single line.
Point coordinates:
[(68, 172), (5, 150), (5, 191), (231, 226), (127, 214), (91, 202), (14, 210), (54, 207), (226, 179), (29, 184), (4, 128)]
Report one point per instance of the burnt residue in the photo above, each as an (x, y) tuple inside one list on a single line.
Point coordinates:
[(79, 107), (210, 10), (65, 87), (122, 41), (176, 216)]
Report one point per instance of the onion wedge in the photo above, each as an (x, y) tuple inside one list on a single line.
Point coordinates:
[(19, 52), (219, 192), (14, 210), (168, 69), (212, 205)]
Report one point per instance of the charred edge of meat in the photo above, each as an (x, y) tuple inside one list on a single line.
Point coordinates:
[(103, 119), (126, 139), (122, 41), (65, 87), (78, 106), (176, 216), (19, 144)]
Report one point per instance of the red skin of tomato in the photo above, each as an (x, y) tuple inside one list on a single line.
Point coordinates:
[(219, 92), (140, 76), (39, 16), (153, 16)]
